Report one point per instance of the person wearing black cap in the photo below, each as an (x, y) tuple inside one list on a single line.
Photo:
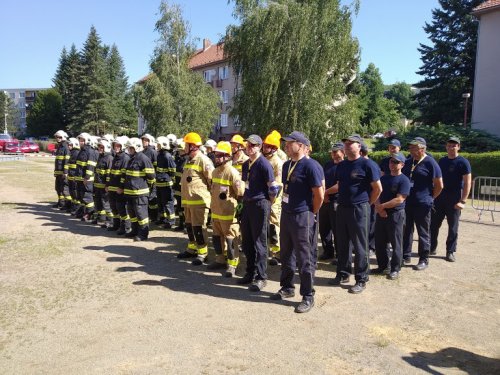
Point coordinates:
[(328, 211), (457, 184), (260, 189), (359, 187), (390, 210), (425, 185), (393, 147), (303, 192)]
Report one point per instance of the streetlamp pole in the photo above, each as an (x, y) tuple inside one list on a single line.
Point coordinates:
[(466, 96), (5, 113)]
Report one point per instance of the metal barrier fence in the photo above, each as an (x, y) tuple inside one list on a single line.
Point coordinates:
[(486, 195), (11, 157)]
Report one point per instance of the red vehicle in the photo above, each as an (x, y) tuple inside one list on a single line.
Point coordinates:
[(51, 147), (12, 147), (29, 146), (4, 138)]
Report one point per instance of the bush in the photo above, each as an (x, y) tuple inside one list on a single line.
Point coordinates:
[(482, 164), (473, 140)]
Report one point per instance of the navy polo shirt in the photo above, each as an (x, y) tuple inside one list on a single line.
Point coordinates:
[(355, 178), (305, 174), (329, 170), (392, 186), (422, 180), (453, 171), (256, 175)]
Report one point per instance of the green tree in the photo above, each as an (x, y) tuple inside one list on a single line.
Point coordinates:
[(173, 99), (377, 112), (404, 97), (296, 61), (449, 62), (8, 107), (45, 116)]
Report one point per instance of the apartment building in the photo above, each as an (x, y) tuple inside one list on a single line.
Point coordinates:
[(23, 99)]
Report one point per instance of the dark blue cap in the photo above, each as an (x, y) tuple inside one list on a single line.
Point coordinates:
[(454, 139), (399, 157), (418, 141), (354, 138), (395, 142), (297, 136), (338, 146), (254, 139)]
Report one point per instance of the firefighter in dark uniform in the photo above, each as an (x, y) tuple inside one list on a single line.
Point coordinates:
[(149, 149), (390, 209), (84, 176), (74, 149), (258, 176), (180, 160), (303, 192), (457, 184), (137, 181), (426, 184), (61, 171), (118, 202), (195, 190), (165, 174), (101, 197), (359, 187)]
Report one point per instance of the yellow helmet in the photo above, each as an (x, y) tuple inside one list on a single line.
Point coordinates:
[(223, 147), (237, 139), (193, 138), (273, 139)]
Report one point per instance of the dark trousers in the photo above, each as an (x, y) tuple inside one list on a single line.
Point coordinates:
[(254, 227), (72, 190), (137, 208), (166, 207), (118, 205), (420, 217), (101, 202), (61, 186), (297, 246), (327, 222), (371, 228), (85, 193), (445, 208), (352, 227), (390, 230)]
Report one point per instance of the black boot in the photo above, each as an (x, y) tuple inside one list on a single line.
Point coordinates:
[(116, 225), (134, 232), (142, 234)]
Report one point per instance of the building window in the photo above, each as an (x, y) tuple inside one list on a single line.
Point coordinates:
[(223, 72), (236, 121), (222, 123), (12, 95), (21, 94), (23, 113), (224, 96), (208, 75)]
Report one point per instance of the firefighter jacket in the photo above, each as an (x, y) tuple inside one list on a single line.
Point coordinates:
[(118, 168), (85, 164), (282, 155), (103, 170), (165, 169), (277, 165), (62, 159), (180, 161), (226, 188), (152, 154), (139, 176), (238, 163), (195, 181), (73, 155)]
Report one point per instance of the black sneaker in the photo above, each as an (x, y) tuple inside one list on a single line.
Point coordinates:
[(247, 279), (274, 261), (282, 294), (407, 260), (358, 287), (257, 285), (450, 257), (393, 275), (339, 280), (304, 306), (422, 265)]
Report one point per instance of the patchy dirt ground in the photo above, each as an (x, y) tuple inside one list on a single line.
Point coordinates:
[(75, 299)]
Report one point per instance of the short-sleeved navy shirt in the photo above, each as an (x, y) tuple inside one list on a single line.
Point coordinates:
[(305, 174), (422, 180), (453, 171), (384, 165), (392, 186), (329, 170), (257, 174), (355, 178)]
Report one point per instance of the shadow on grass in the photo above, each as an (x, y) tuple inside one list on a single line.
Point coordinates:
[(469, 362)]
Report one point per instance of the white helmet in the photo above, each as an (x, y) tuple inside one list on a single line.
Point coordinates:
[(135, 143), (121, 140), (86, 137), (203, 149), (105, 144), (74, 142), (108, 137), (94, 141), (180, 144), (211, 143), (62, 134), (150, 138), (172, 138), (164, 143)]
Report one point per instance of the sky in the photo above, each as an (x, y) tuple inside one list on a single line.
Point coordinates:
[(34, 32)]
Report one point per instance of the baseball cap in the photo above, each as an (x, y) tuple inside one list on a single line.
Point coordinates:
[(418, 141), (395, 142), (297, 136), (254, 139), (399, 157), (338, 146), (354, 138), (454, 139)]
